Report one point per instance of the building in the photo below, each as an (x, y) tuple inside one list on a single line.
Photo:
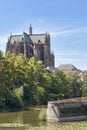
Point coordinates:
[(51, 68), (67, 67), (37, 45)]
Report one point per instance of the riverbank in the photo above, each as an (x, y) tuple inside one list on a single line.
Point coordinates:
[(82, 125), (63, 126), (28, 120), (26, 108)]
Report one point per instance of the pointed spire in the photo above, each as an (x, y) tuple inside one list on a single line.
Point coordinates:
[(10, 33), (30, 30), (8, 39)]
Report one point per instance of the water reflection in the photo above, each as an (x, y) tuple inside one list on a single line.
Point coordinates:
[(7, 128), (22, 118)]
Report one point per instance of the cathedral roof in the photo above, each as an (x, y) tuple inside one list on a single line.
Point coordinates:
[(38, 38), (35, 38), (20, 38), (15, 38), (30, 38), (26, 37)]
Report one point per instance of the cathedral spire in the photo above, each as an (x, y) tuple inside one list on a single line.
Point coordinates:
[(30, 30)]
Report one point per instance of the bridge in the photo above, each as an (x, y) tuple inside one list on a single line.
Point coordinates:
[(74, 109)]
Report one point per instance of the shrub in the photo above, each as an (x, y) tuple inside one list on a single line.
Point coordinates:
[(42, 114)]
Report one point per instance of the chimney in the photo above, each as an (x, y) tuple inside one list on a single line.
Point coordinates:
[(30, 30)]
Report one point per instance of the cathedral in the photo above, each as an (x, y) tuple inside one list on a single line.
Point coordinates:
[(37, 45)]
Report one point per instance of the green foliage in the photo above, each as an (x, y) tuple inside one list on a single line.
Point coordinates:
[(57, 88), (40, 95), (18, 93), (5, 95), (82, 125), (27, 82), (84, 86), (42, 114), (84, 90), (1, 55), (75, 84)]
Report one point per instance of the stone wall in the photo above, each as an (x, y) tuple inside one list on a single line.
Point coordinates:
[(67, 110), (24, 48)]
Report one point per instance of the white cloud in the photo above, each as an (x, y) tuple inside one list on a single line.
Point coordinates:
[(3, 40), (71, 60), (80, 54), (66, 32)]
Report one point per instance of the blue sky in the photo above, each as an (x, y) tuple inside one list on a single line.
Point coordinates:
[(65, 20)]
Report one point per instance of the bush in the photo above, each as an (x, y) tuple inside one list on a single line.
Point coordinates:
[(42, 114)]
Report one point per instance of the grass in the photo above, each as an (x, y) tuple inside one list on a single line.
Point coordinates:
[(62, 126), (57, 126)]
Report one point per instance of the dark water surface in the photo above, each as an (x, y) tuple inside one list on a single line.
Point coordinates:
[(20, 120)]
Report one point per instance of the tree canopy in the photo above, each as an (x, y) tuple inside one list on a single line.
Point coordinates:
[(27, 82)]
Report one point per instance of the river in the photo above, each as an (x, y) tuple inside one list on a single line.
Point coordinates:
[(19, 120)]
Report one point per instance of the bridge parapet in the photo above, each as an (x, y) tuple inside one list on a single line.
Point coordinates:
[(67, 110)]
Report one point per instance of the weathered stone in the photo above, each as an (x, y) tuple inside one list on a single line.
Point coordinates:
[(67, 110), (37, 45)]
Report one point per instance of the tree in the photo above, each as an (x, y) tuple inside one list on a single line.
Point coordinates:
[(60, 84), (84, 86), (75, 84), (1, 55), (34, 82)]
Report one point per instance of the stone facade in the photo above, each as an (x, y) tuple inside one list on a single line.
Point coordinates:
[(37, 45), (67, 67), (67, 110)]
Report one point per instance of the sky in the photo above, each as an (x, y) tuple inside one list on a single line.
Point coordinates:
[(64, 20)]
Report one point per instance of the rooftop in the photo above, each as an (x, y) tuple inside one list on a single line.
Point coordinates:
[(35, 38), (38, 38), (67, 67)]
